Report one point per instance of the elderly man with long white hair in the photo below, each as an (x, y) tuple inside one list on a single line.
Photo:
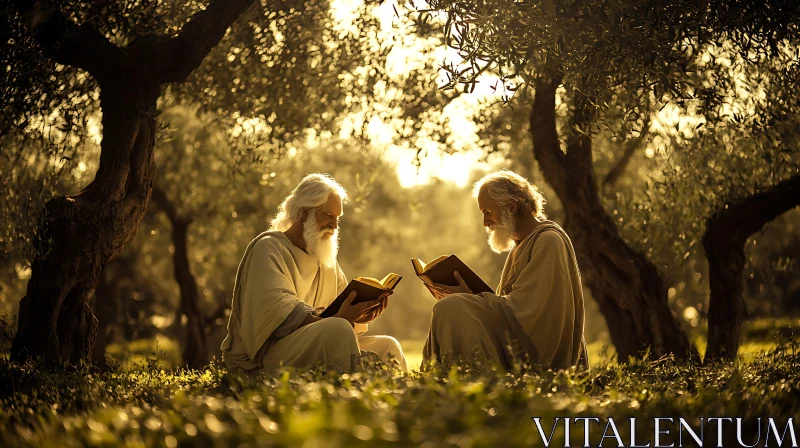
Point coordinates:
[(536, 313), (286, 276)]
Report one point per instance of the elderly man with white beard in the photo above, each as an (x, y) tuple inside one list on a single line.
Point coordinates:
[(286, 277), (536, 314)]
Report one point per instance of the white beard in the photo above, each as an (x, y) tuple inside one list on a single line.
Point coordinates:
[(322, 243), (500, 237)]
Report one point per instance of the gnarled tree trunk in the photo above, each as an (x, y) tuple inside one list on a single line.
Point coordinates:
[(79, 234), (629, 290), (726, 233)]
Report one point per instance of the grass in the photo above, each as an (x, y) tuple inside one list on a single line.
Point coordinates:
[(466, 406), (143, 404), (137, 352)]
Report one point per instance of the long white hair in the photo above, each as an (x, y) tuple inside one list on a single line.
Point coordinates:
[(506, 187), (312, 192)]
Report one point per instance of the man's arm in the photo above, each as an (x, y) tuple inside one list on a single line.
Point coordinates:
[(299, 317)]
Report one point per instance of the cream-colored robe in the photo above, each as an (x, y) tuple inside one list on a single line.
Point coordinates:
[(537, 311), (273, 279)]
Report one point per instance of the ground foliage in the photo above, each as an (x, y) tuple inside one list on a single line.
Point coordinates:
[(463, 406)]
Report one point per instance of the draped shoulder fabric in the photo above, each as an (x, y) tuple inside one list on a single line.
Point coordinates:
[(541, 284)]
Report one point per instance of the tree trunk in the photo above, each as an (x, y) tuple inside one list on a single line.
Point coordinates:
[(78, 235), (628, 288), (195, 351), (195, 346), (724, 240)]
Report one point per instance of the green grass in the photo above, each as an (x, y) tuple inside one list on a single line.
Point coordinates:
[(467, 406), (135, 353), (142, 403)]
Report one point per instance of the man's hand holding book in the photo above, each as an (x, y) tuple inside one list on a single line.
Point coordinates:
[(440, 290)]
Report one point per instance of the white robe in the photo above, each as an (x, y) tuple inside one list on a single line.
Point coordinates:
[(274, 278), (537, 311)]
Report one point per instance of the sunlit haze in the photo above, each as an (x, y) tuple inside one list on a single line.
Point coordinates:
[(450, 164)]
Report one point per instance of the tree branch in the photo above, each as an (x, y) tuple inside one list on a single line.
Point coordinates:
[(68, 43), (160, 198), (630, 148), (742, 219), (172, 59)]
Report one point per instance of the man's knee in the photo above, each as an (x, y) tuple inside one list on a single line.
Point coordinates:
[(387, 348), (335, 331), (393, 344), (390, 346), (394, 352), (449, 307)]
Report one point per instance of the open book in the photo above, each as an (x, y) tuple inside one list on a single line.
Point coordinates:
[(441, 269), (366, 288)]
